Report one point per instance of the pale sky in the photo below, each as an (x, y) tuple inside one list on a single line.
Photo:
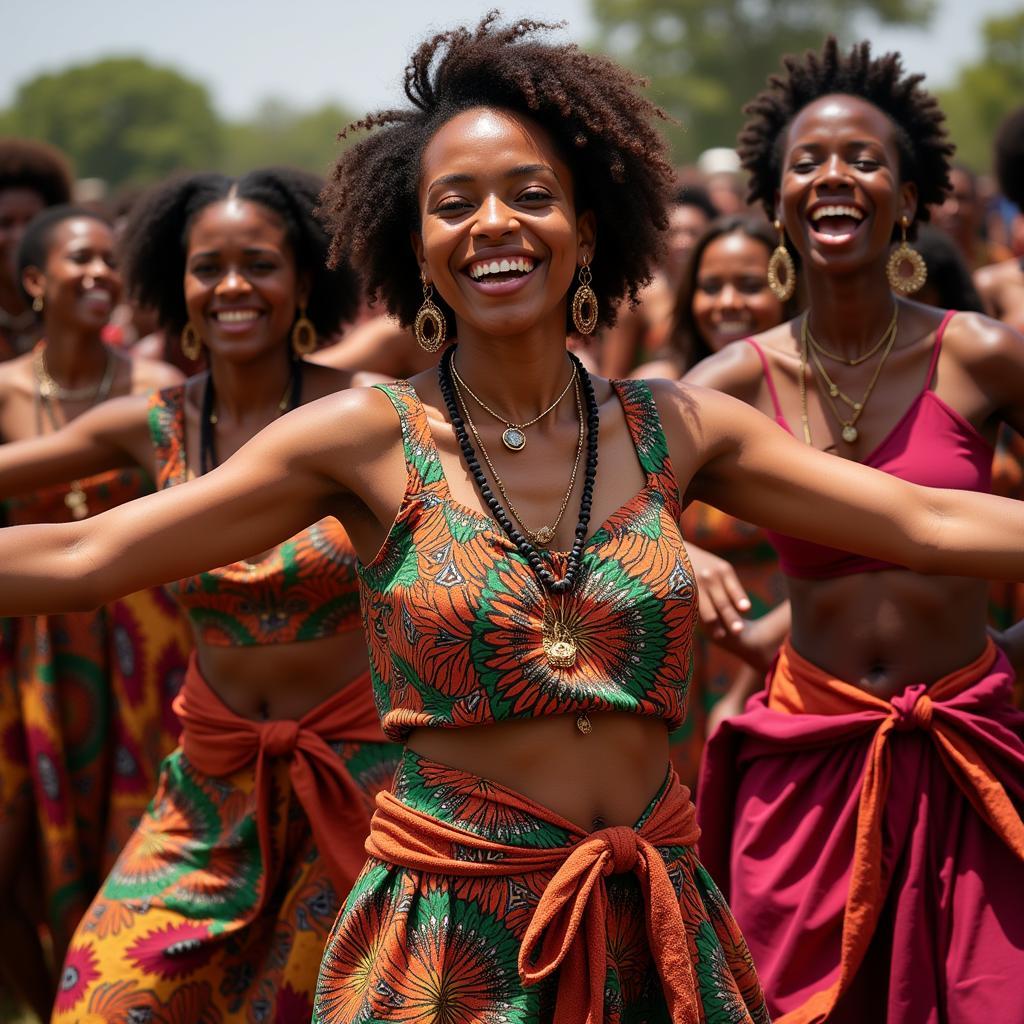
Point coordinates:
[(350, 51)]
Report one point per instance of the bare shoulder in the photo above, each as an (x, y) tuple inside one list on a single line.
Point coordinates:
[(979, 341), (735, 369), (151, 374), (661, 369), (319, 380), (997, 274)]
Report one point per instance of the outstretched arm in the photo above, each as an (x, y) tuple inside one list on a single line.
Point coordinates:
[(749, 467), (300, 469), (111, 436)]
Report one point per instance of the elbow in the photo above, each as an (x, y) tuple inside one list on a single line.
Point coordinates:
[(926, 552)]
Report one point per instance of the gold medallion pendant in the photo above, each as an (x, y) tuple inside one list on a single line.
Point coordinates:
[(559, 644), (514, 439)]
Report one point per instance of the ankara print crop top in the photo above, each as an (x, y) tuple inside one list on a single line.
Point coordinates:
[(304, 589), (453, 614)]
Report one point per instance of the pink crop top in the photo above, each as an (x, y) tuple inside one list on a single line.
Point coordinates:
[(931, 445), (304, 589)]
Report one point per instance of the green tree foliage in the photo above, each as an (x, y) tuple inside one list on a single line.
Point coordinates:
[(986, 92), (121, 119), (706, 58), (281, 134)]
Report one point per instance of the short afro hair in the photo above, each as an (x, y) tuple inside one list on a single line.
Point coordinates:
[(26, 163), (154, 242), (589, 105), (1009, 157), (35, 242), (924, 149)]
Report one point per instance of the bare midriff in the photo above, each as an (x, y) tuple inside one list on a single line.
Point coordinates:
[(272, 681), (605, 778), (884, 631)]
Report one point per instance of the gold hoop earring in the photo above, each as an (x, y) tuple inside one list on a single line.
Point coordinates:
[(584, 302), (429, 326), (782, 284), (906, 284), (191, 343), (304, 336), (37, 304)]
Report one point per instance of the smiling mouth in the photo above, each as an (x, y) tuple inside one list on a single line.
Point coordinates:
[(236, 316), (504, 269), (837, 221)]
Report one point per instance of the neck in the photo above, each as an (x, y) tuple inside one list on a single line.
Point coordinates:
[(517, 375), (250, 391), (74, 356), (849, 313)]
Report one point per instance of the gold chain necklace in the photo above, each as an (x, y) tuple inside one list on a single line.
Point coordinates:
[(514, 435), (864, 357), (546, 534), (46, 391), (849, 432)]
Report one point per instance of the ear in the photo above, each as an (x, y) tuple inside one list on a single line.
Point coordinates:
[(586, 235), (416, 239), (908, 200), (33, 280)]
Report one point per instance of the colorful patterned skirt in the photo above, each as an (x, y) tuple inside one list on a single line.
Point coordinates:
[(528, 919), (85, 721), (219, 906)]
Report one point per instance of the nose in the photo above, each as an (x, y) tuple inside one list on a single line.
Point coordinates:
[(728, 297), (835, 171), (232, 283), (494, 219)]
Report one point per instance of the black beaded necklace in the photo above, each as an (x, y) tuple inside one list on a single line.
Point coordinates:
[(549, 581), (208, 420)]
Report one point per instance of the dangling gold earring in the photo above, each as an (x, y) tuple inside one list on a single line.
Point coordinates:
[(782, 285), (304, 336), (584, 302), (191, 343), (429, 326), (906, 284), (37, 304)]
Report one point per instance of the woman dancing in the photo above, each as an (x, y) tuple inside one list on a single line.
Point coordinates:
[(864, 814), (537, 859), (85, 698), (219, 906)]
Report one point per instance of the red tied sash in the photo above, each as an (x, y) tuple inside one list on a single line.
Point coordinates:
[(800, 687), (567, 932), (219, 742)]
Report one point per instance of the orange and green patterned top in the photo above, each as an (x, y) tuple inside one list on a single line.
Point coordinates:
[(304, 589), (454, 614)]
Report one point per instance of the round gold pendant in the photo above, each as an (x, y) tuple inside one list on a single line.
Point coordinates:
[(850, 433), (544, 535), (584, 724), (561, 653), (513, 439)]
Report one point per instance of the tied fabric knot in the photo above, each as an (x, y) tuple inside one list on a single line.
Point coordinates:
[(912, 709), (280, 737), (622, 844)]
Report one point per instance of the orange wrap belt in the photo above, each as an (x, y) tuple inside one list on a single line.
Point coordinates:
[(800, 687), (567, 932), (219, 742)]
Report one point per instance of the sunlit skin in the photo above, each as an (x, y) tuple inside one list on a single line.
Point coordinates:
[(343, 455), (880, 630), (732, 299)]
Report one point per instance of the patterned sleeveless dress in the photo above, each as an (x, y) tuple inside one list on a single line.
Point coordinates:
[(444, 923), (219, 906)]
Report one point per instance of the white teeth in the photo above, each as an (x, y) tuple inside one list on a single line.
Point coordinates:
[(837, 211), (236, 316), (523, 264)]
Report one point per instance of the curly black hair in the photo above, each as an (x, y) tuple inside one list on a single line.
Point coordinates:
[(154, 242), (1009, 157), (26, 163), (35, 242), (589, 105), (924, 149)]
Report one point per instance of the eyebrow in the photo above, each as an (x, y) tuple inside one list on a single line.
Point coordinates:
[(515, 172), (250, 251)]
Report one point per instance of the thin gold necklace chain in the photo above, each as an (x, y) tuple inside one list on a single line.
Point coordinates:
[(49, 388), (545, 534), (864, 357), (849, 431), (833, 388), (501, 419)]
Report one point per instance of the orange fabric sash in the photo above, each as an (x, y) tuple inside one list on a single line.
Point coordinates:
[(800, 687), (219, 742), (567, 932)]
